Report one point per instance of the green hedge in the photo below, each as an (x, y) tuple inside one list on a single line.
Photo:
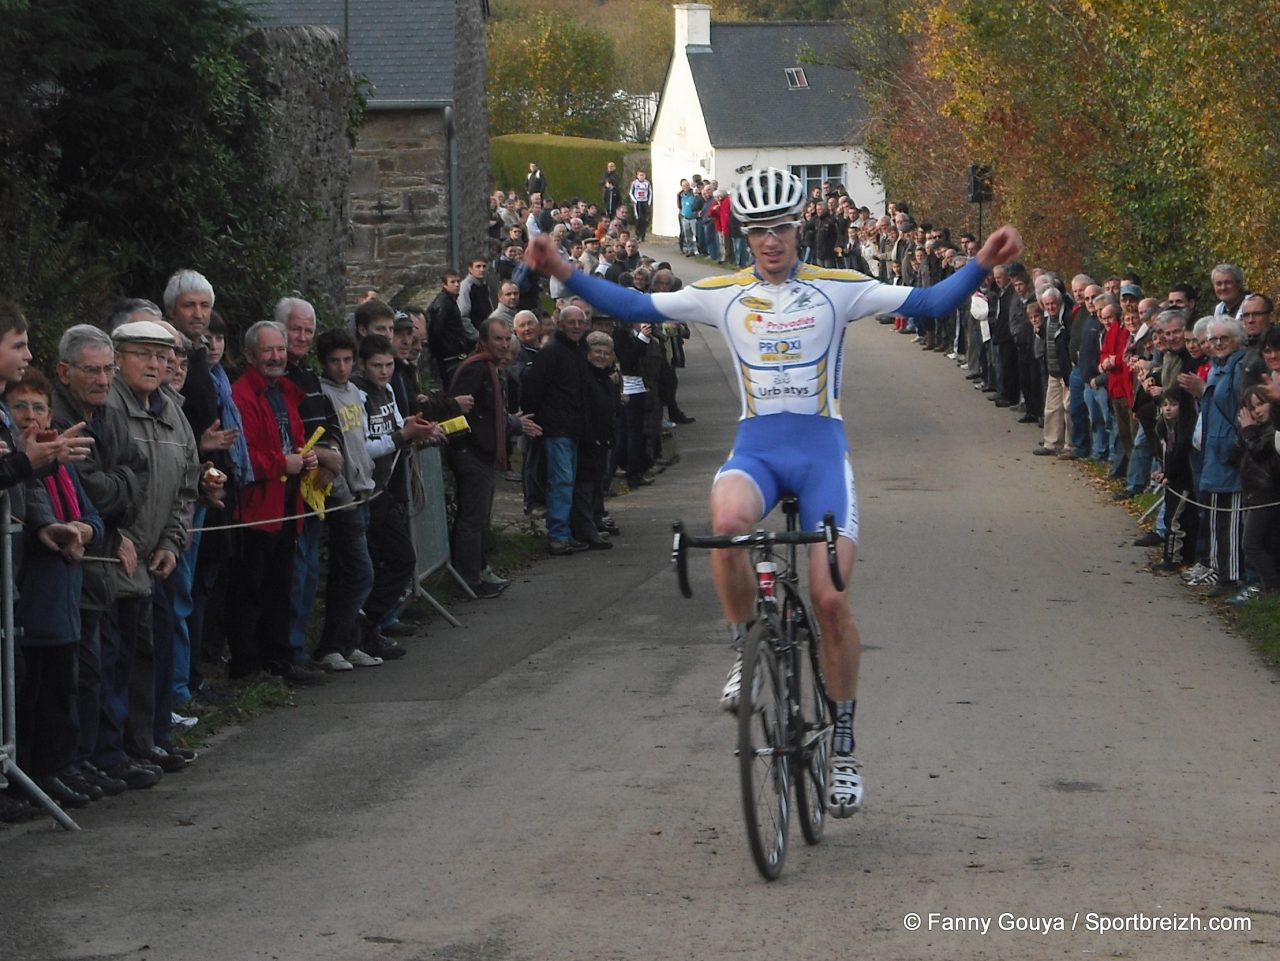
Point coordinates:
[(573, 166)]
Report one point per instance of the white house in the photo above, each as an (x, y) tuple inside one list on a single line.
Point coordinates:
[(742, 96)]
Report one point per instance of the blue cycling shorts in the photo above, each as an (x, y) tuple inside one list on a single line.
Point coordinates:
[(798, 454)]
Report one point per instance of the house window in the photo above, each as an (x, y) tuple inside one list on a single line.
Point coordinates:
[(796, 80), (814, 175)]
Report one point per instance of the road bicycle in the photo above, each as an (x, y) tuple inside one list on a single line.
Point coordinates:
[(784, 715)]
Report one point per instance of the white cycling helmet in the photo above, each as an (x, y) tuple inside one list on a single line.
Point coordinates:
[(766, 195)]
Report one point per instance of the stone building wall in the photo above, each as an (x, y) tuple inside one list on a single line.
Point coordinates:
[(310, 91), (381, 211), (399, 237), (471, 126), (400, 241)]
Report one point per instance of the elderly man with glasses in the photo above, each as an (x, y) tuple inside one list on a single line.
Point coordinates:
[(114, 476), (150, 547)]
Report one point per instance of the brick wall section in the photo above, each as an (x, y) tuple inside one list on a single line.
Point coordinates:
[(310, 92)]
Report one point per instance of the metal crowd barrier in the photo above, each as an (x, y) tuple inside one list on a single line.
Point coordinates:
[(429, 527), (8, 681)]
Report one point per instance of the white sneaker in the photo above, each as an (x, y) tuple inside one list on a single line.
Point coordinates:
[(844, 786), (359, 658), (1191, 573), (1206, 578), (334, 662), (487, 576), (181, 720)]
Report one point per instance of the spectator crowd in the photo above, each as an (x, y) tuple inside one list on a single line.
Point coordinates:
[(170, 503), (1167, 392)]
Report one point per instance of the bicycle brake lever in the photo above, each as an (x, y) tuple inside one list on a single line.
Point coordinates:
[(679, 557), (833, 556)]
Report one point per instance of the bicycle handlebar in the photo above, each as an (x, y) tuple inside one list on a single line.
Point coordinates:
[(759, 538)]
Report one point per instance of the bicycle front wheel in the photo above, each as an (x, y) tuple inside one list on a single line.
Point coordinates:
[(811, 726), (763, 749)]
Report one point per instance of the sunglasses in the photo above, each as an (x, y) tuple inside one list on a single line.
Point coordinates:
[(777, 230)]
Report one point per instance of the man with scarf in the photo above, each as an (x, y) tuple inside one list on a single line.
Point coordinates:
[(262, 568), (477, 456)]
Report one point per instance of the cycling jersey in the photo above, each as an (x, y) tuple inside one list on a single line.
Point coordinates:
[(786, 338), (787, 341)]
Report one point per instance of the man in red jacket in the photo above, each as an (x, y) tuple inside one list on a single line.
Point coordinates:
[(261, 572)]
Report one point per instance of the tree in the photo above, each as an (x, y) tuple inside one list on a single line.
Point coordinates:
[(1122, 135), (134, 142), (549, 73), (780, 9)]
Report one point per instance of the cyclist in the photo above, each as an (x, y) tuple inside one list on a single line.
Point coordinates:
[(784, 323)]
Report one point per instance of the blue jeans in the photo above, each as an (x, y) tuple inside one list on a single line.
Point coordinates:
[(1139, 462), (688, 243), (306, 582), (1077, 414), (1099, 408), (562, 468), (182, 579), (164, 633)]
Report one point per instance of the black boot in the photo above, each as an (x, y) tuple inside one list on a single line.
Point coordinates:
[(376, 644)]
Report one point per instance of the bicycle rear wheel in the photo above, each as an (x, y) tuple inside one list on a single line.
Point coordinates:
[(762, 750), (811, 727)]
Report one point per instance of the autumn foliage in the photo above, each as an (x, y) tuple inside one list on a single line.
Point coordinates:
[(1122, 135)]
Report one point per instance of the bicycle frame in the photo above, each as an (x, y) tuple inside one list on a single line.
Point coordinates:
[(784, 716)]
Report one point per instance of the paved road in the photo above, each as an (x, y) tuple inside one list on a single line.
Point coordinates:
[(1049, 734)]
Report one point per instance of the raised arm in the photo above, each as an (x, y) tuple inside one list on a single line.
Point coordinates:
[(1001, 247), (622, 302)]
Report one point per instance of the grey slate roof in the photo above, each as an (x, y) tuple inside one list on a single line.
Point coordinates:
[(405, 47), (743, 88)]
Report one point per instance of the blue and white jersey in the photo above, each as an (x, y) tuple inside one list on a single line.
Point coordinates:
[(787, 339)]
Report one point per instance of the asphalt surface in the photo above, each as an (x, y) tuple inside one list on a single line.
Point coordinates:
[(1053, 738)]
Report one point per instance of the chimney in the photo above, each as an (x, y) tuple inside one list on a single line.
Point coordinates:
[(693, 25)]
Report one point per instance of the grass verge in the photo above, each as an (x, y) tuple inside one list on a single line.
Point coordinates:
[(246, 701), (1259, 621)]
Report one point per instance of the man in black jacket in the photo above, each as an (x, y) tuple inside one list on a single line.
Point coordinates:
[(612, 195), (535, 182), (554, 393), (447, 335), (1004, 354), (477, 456)]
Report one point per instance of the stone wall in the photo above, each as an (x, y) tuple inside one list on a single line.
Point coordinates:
[(310, 91), (399, 237), (381, 211), (400, 240), (471, 128)]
